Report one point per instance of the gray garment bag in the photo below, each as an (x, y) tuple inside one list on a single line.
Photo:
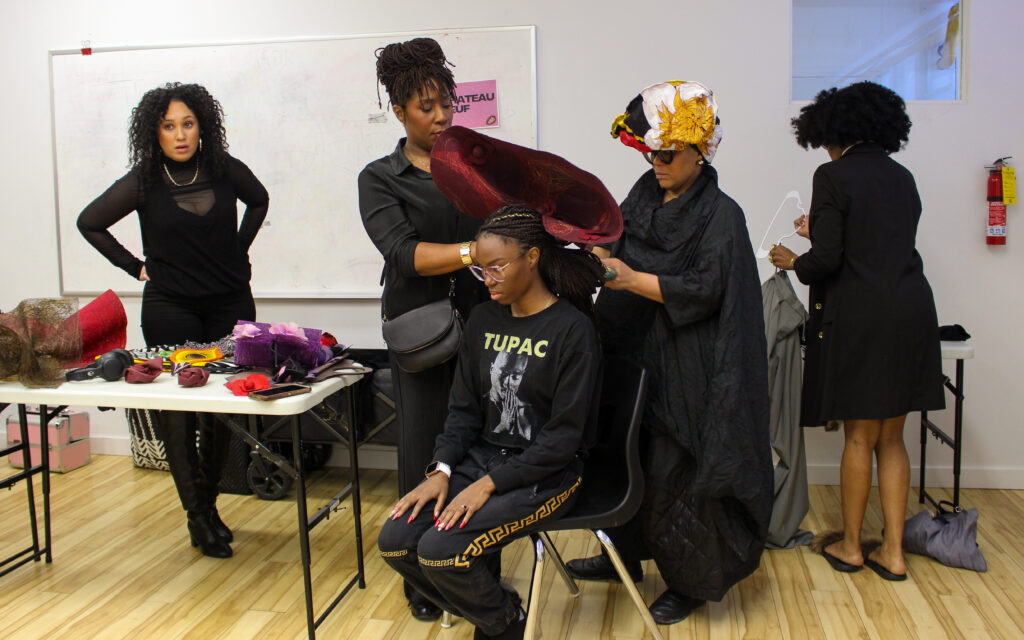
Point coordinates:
[(784, 316)]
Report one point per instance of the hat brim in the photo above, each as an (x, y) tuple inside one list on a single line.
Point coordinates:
[(480, 174)]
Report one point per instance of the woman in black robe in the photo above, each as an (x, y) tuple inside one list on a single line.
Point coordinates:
[(685, 302)]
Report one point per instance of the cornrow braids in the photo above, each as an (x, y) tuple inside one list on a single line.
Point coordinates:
[(572, 274), (407, 68)]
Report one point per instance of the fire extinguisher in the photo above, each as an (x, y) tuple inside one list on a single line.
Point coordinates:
[(995, 232)]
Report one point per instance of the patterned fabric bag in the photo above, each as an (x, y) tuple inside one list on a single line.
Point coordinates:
[(147, 448)]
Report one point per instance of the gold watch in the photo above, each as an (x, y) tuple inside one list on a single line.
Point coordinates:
[(464, 254)]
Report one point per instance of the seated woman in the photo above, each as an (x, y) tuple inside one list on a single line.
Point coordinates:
[(519, 409)]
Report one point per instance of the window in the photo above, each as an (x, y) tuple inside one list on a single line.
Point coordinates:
[(911, 46)]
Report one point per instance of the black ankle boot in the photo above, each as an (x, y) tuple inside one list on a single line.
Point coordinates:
[(601, 568), (204, 536), (219, 527)]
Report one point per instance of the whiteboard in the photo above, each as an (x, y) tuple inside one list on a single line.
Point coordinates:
[(302, 114)]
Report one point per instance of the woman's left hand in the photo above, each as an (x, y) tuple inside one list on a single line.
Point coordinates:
[(781, 257), (463, 506)]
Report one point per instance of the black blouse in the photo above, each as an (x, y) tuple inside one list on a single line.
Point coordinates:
[(401, 207), (190, 233)]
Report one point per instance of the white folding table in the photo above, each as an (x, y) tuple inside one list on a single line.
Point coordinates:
[(165, 394)]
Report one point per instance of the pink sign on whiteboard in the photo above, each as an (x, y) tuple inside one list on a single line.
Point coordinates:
[(476, 104)]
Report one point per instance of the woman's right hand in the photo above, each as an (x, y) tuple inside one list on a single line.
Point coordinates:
[(801, 227), (433, 488), (143, 276)]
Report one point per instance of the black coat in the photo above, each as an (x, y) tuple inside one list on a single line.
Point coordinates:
[(707, 456), (872, 341)]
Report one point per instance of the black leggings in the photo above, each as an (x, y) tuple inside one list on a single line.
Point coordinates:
[(173, 320), (168, 319)]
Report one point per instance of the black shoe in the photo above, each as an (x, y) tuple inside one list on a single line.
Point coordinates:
[(202, 534), (601, 568), (219, 527), (514, 631), (425, 610), (672, 607)]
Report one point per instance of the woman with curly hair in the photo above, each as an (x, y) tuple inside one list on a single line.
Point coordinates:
[(426, 243), (873, 350), (185, 186), (509, 457)]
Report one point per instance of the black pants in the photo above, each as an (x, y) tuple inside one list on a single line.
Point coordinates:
[(173, 320), (450, 567)]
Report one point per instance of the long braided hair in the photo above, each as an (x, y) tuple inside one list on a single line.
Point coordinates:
[(571, 274), (406, 69)]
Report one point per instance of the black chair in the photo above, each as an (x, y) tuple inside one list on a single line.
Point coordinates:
[(613, 485)]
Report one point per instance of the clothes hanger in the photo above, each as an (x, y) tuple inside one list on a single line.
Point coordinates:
[(762, 253)]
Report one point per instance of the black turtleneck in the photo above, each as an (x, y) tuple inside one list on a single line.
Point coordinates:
[(191, 239)]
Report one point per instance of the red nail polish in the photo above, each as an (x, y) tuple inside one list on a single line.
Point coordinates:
[(462, 525), (409, 521)]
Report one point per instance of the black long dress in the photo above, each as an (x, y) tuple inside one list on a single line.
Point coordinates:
[(707, 460), (873, 338)]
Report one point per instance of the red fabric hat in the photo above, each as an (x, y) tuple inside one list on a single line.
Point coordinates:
[(104, 325), (480, 174)]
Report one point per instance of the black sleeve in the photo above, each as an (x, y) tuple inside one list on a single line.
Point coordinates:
[(696, 293), (465, 411), (122, 198), (562, 435), (825, 222), (251, 191), (386, 223)]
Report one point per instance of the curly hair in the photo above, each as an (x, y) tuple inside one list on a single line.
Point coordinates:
[(860, 112), (407, 69), (572, 274), (144, 153)]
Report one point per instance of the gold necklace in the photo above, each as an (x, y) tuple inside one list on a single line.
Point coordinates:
[(171, 178)]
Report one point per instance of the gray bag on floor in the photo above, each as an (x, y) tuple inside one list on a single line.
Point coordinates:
[(951, 537), (147, 448)]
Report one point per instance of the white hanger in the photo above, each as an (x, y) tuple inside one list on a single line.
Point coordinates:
[(762, 253)]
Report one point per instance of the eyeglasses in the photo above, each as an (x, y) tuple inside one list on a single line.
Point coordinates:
[(665, 155), (496, 273)]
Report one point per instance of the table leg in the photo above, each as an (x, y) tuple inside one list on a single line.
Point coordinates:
[(44, 458), (924, 448), (958, 425), (27, 459), (300, 501), (357, 512)]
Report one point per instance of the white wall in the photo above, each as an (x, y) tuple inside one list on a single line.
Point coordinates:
[(593, 57)]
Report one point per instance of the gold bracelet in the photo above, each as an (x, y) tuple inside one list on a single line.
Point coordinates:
[(464, 254), (792, 261)]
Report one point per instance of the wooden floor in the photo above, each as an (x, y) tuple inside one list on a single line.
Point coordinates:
[(123, 568)]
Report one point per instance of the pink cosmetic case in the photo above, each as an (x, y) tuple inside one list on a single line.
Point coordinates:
[(68, 434)]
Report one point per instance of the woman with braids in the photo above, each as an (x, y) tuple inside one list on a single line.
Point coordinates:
[(425, 241), (873, 350), (519, 411), (685, 302), (185, 186)]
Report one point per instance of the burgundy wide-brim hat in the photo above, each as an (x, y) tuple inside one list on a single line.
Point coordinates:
[(480, 174)]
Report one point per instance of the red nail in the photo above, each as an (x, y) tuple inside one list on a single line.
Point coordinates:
[(463, 524), (409, 521)]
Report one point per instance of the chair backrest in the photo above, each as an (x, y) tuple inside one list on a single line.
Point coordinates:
[(613, 483)]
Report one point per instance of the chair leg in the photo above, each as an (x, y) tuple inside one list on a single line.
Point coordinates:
[(574, 589), (533, 604), (446, 619), (627, 582)]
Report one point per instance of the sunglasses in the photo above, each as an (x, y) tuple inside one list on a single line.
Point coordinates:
[(664, 155), (496, 273)]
